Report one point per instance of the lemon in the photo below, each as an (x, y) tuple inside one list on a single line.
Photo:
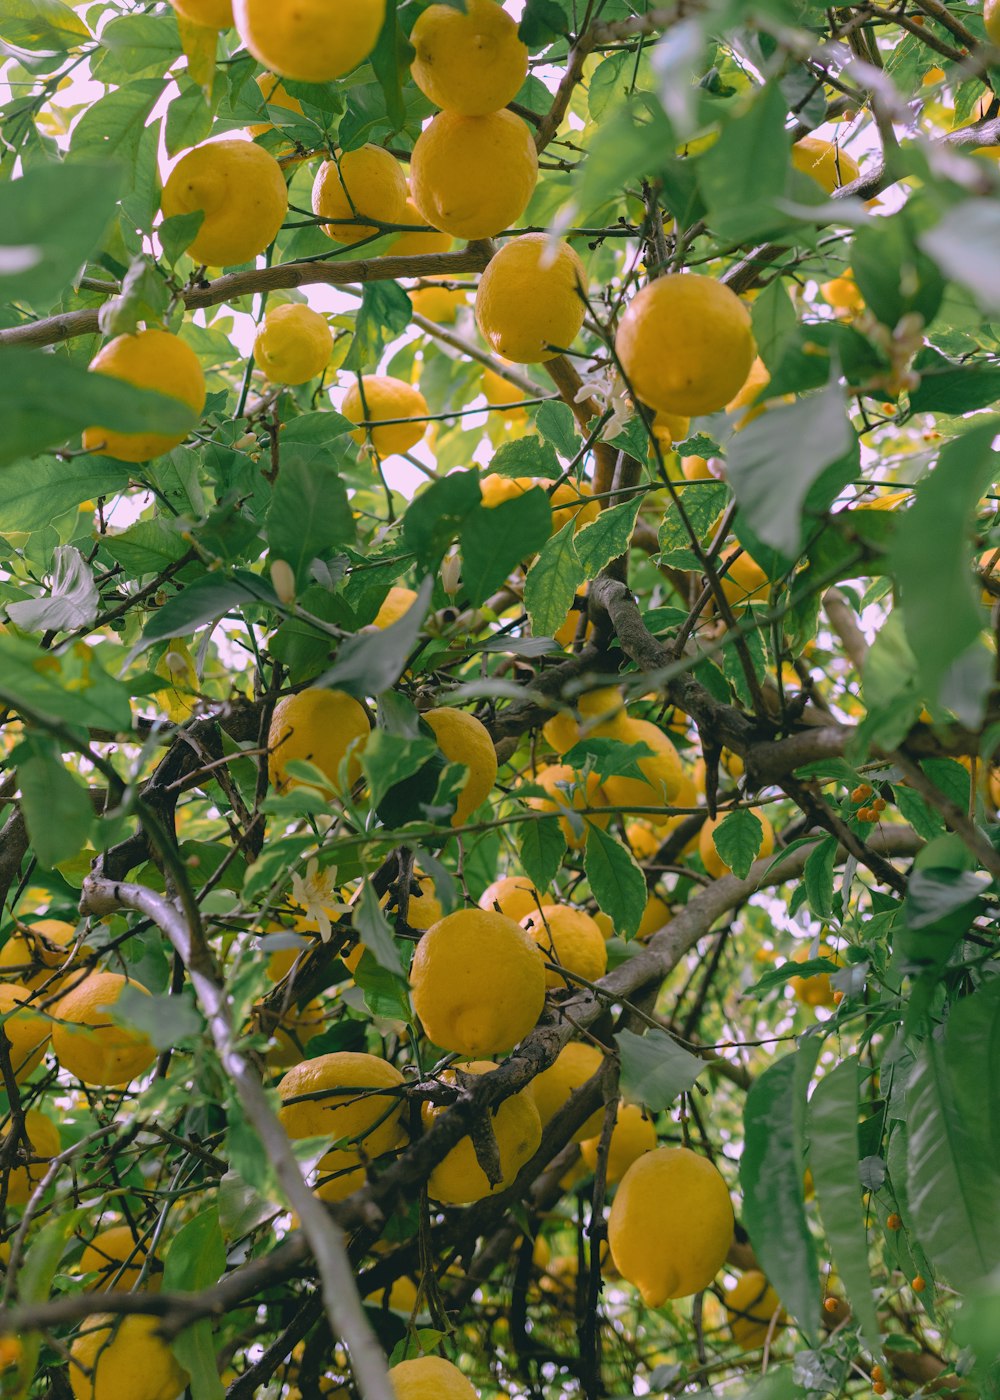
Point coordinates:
[(464, 739), (310, 40), (339, 1173), (402, 1297), (367, 181), (210, 14), (27, 1029), (661, 771), (644, 839), (179, 697), (842, 294), (478, 983), (574, 1066), (424, 907), (437, 303), (472, 63), (274, 93), (568, 791), (352, 1097), (570, 938), (685, 344), (530, 303), (750, 395), (499, 391), (297, 1027), (601, 712), (414, 243), (632, 1136), (473, 176), (150, 359), (116, 1256), (33, 951), (671, 1224), (293, 344), (669, 428), (89, 1044), (395, 603), (241, 190), (744, 581), (991, 20), (816, 990), (565, 634), (710, 858), (513, 895), (386, 400), (43, 1135), (697, 469), (322, 727), (824, 162), (655, 915), (751, 1303), (572, 500), (112, 1358), (459, 1179), (495, 489), (430, 1378)]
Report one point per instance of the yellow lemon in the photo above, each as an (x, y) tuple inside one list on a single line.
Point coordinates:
[(347, 1096), (661, 771), (824, 162), (632, 1136), (395, 603), (464, 739), (293, 344), (150, 359), (574, 1066), (210, 14), (414, 243), (473, 176), (472, 63), (643, 838), (367, 181), (744, 580), (566, 633), (43, 1135), (430, 1378), (670, 428), (478, 983), (513, 895), (27, 1029), (816, 990), (117, 1257), (424, 907), (570, 791), (530, 303), (696, 469), (459, 1179), (403, 1296), (116, 1357), (384, 401), (685, 344), (241, 190), (751, 1304), (310, 40), (656, 914), (437, 303), (991, 20), (573, 500), (339, 1173), (179, 697), (321, 727), (570, 938), (89, 1044), (671, 1224), (289, 1037), (34, 951), (499, 391), (750, 395), (842, 294), (496, 489), (710, 858), (602, 715), (274, 93)]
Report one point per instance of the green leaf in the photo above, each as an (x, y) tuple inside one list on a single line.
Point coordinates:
[(195, 1260), (701, 507), (495, 539), (38, 492), (46, 1246), (554, 419), (374, 931), (389, 759), (56, 806), (616, 881), (147, 547), (436, 515), (552, 581), (166, 1020), (384, 992), (309, 515), (542, 21), (893, 275), (208, 599), (114, 125), (51, 220), (952, 386), (963, 243), (774, 321), (41, 26), (368, 664), (818, 877), (541, 846), (606, 538), (655, 1069), (71, 599), (527, 456), (385, 312), (391, 61), (737, 839), (71, 687), (743, 173)]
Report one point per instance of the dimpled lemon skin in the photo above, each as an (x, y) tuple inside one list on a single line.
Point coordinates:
[(345, 1113), (318, 726), (45, 1144), (414, 242), (463, 739), (430, 1378), (478, 983), (573, 1066), (293, 345), (210, 14), (471, 63), (33, 951), (685, 344), (116, 1257), (310, 40), (632, 1136), (514, 895), (530, 302), (241, 190), (671, 1224), (123, 1360), (150, 359), (570, 938), (473, 176), (459, 1179), (386, 398), (88, 1043), (824, 162), (366, 181), (662, 771), (27, 1029)]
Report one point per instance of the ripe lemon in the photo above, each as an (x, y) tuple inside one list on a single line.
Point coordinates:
[(472, 63), (311, 40), (572, 500), (567, 791), (750, 1305), (112, 1358), (117, 1257), (565, 633), (403, 1297), (356, 1100), (656, 914), (290, 1036), (242, 191), (424, 907), (816, 990), (530, 302), (464, 739), (430, 1378), (744, 581), (513, 895), (697, 469), (339, 1173), (751, 395), (438, 304), (293, 345), (88, 1043), (323, 727), (478, 983), (570, 938), (150, 359), (661, 771), (415, 244), (669, 428), (575, 1064), (274, 93), (396, 602), (601, 712), (44, 1138), (495, 489), (210, 14), (991, 20), (644, 839), (685, 344), (473, 176), (842, 294), (632, 1136), (499, 391), (385, 400), (671, 1224), (710, 858), (27, 1029), (367, 181), (459, 1179), (824, 162), (33, 951)]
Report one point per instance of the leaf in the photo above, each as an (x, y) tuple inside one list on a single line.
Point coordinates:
[(495, 539), (45, 1249), (195, 1260), (368, 664), (72, 600), (56, 805), (774, 320), (114, 124), (391, 61), (384, 992), (542, 21), (389, 759), (963, 244), (552, 581), (41, 26), (309, 515), (71, 686), (541, 846), (554, 419), (818, 877), (606, 538), (655, 1069), (527, 456), (745, 171), (38, 492), (166, 1020), (702, 508), (435, 516), (893, 275), (385, 312), (147, 547), (952, 386), (51, 220), (208, 599), (737, 839), (771, 1172), (374, 931), (616, 881)]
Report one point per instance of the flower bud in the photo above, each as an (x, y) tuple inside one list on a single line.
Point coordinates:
[(451, 572), (283, 580)]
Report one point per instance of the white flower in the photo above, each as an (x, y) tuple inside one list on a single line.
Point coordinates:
[(317, 896), (607, 389)]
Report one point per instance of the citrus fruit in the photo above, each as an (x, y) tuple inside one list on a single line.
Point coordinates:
[(321, 727), (89, 1043), (438, 304), (402, 1297), (423, 907), (842, 294), (293, 1033), (112, 1358), (655, 915), (661, 770), (824, 162), (293, 344), (575, 1064), (671, 1224), (602, 713), (499, 392), (572, 500), (632, 1135), (274, 93), (710, 858), (513, 895), (644, 839), (685, 344), (352, 1098), (570, 938), (530, 303), (368, 181), (751, 395), (473, 176), (697, 469), (210, 14), (669, 428), (566, 633), (991, 20), (310, 40), (241, 190), (27, 1030), (744, 580), (339, 1173), (150, 359), (415, 243), (384, 400), (459, 1180), (116, 1256), (464, 739), (395, 603), (751, 1303), (570, 791), (472, 63), (430, 1378), (478, 983), (816, 990), (495, 489), (43, 1135), (34, 951)]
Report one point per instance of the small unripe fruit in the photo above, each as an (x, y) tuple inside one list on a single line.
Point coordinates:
[(861, 793), (830, 1305), (879, 1387), (895, 1222), (919, 1284), (283, 581)]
